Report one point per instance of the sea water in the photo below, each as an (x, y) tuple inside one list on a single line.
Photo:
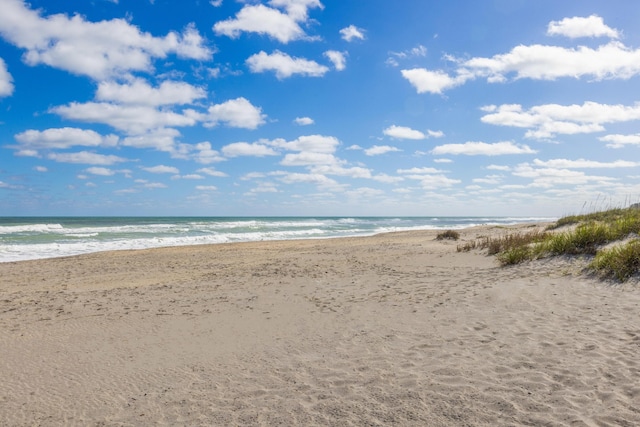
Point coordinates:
[(23, 238)]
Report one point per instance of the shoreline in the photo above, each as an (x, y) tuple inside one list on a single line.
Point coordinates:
[(395, 328), (55, 238)]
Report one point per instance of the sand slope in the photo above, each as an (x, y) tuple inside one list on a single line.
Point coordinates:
[(397, 329)]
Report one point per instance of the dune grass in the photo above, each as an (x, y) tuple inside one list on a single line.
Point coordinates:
[(588, 234), (448, 235)]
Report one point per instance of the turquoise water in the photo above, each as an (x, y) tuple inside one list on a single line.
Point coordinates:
[(48, 237)]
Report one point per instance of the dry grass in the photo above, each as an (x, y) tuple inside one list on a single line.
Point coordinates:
[(592, 232)]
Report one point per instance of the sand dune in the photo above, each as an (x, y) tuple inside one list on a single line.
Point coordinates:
[(396, 329)]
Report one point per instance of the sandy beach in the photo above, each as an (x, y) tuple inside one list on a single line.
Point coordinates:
[(394, 329)]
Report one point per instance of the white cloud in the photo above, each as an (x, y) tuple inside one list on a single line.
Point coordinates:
[(540, 62), (308, 158), (351, 33), (552, 177), (267, 21), (284, 65), (335, 169), (132, 119), (499, 168), (212, 172), (612, 60), (545, 121), (433, 81), (339, 59), (442, 160), (435, 133), (311, 143), (482, 149), (62, 138), (418, 171), (215, 3), (377, 150), (161, 139), (263, 187), (304, 121), (245, 149), (141, 93), (154, 185), (237, 113), (403, 132), (309, 178), (418, 51), (592, 26), (489, 179), (86, 157), (619, 141), (161, 169), (585, 164), (96, 49), (435, 182), (297, 9), (206, 155), (100, 171), (206, 188), (6, 80), (40, 169)]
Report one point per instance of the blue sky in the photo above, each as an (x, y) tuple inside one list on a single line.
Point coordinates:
[(318, 107)]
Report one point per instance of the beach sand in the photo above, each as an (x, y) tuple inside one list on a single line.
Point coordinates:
[(395, 329)]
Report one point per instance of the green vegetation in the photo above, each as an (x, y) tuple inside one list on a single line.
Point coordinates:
[(586, 235), (448, 235)]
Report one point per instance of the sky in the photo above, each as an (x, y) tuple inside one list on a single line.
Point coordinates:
[(318, 107)]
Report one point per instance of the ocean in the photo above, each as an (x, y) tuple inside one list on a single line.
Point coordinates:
[(26, 238)]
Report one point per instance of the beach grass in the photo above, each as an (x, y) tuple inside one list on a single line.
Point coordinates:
[(448, 235), (603, 235)]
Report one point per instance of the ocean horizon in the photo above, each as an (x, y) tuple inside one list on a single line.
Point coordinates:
[(28, 238)]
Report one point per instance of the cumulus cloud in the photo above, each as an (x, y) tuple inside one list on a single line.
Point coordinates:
[(352, 33), (312, 143), (430, 178), (86, 157), (402, 132), (63, 138), (238, 113), (377, 150), (212, 172), (161, 169), (304, 121), (545, 177), (140, 92), (548, 120), (245, 149), (585, 164), (100, 171), (482, 149), (263, 20), (6, 80), (619, 141), (309, 178), (132, 119), (161, 139), (284, 65), (592, 26), (339, 59), (205, 154), (612, 60), (308, 158), (96, 49), (433, 81)]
